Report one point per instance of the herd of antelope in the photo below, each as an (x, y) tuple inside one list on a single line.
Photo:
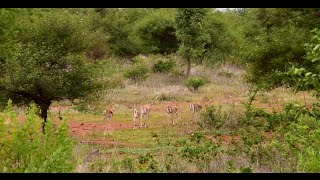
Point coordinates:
[(142, 112)]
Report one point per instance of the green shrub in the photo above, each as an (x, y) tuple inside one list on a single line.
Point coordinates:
[(245, 169), (24, 148), (196, 149), (164, 66), (136, 73), (303, 139), (139, 60), (211, 118), (193, 83), (167, 97)]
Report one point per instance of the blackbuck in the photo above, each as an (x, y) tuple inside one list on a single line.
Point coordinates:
[(108, 114), (145, 112), (172, 109), (136, 116), (197, 107)]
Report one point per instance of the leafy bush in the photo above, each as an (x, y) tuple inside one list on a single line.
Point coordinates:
[(25, 149), (139, 60), (211, 118), (303, 139), (307, 77), (167, 97), (193, 83), (245, 169), (164, 66), (196, 148), (136, 73)]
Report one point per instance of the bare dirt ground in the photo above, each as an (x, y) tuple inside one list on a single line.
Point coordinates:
[(83, 128)]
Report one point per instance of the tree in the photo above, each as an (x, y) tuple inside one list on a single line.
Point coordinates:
[(224, 39), (274, 42), (156, 32), (44, 61), (191, 34), (118, 24)]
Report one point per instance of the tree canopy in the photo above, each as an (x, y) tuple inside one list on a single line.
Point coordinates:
[(44, 61)]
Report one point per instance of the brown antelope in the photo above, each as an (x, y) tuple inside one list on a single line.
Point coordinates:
[(145, 111), (172, 109), (196, 107), (108, 113), (136, 116)]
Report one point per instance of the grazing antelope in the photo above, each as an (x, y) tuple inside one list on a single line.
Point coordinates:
[(145, 111), (136, 116), (108, 113), (172, 109), (196, 107)]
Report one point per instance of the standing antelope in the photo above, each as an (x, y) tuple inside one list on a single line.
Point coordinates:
[(108, 113), (145, 111), (172, 109), (136, 116), (196, 107)]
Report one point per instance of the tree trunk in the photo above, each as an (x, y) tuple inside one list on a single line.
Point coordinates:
[(189, 67), (44, 114)]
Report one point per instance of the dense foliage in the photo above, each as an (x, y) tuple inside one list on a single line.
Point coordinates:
[(25, 149), (44, 60)]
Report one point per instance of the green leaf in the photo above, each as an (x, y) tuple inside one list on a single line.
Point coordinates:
[(316, 47), (308, 74)]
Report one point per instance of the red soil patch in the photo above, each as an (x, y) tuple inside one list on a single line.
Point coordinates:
[(81, 128)]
